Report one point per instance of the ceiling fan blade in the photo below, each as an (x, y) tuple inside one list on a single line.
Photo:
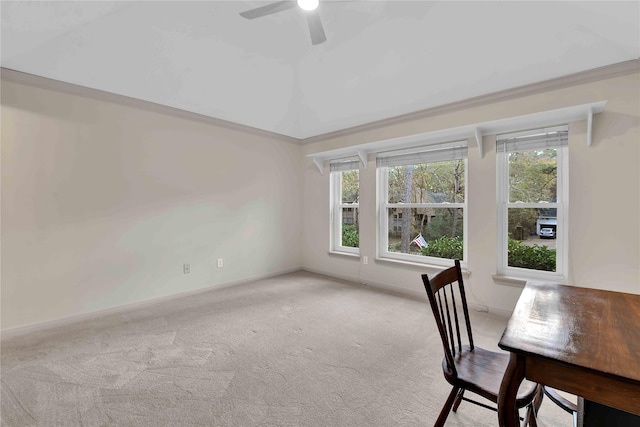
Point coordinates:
[(268, 9), (315, 28)]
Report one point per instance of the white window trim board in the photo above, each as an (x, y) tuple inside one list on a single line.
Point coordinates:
[(560, 275), (476, 131), (335, 246), (383, 254)]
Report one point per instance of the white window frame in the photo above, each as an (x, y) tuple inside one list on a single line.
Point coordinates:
[(424, 154), (337, 167), (561, 205)]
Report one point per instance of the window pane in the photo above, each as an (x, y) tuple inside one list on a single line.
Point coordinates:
[(533, 176), (350, 186), (441, 228), (427, 183), (350, 227), (532, 234)]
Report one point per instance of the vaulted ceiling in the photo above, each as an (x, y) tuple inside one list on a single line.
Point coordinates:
[(381, 59)]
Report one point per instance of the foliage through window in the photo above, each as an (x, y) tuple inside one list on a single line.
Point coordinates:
[(345, 196), (532, 199), (423, 202)]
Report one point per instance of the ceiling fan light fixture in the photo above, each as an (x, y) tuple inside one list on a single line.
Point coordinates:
[(308, 4)]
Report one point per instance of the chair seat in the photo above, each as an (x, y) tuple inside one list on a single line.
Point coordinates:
[(481, 372)]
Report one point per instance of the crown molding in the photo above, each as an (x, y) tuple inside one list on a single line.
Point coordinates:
[(570, 80), (583, 77), (14, 76)]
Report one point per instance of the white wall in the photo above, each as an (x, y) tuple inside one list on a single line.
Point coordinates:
[(604, 219), (103, 203)]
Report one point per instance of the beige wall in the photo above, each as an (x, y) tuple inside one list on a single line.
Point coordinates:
[(102, 204), (604, 219)]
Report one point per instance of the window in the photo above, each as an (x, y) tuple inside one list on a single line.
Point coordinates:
[(532, 203), (422, 203), (345, 193)]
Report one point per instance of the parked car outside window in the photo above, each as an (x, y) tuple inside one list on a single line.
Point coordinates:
[(547, 233)]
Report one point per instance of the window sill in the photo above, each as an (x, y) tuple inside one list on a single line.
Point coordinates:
[(509, 281), (436, 267), (520, 282), (344, 254)]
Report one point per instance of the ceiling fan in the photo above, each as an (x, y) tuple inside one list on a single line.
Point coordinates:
[(309, 6)]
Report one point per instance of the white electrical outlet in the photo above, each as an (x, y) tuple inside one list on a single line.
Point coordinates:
[(220, 263), (186, 268), (365, 260)]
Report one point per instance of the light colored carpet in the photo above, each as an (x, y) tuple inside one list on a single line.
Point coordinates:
[(296, 350)]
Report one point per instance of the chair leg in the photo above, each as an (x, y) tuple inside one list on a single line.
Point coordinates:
[(458, 400), (444, 413), (537, 401), (531, 418)]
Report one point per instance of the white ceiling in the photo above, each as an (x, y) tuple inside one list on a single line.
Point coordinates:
[(381, 58)]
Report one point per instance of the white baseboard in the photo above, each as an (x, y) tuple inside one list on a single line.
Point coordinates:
[(40, 326), (372, 283), (406, 292)]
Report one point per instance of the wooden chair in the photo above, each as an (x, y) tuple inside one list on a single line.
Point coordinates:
[(468, 367)]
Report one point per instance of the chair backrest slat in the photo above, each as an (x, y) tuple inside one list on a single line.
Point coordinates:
[(455, 315), (448, 322), (436, 288), (465, 309), (442, 320)]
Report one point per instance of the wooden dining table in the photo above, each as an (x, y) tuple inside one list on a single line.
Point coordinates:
[(583, 341)]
